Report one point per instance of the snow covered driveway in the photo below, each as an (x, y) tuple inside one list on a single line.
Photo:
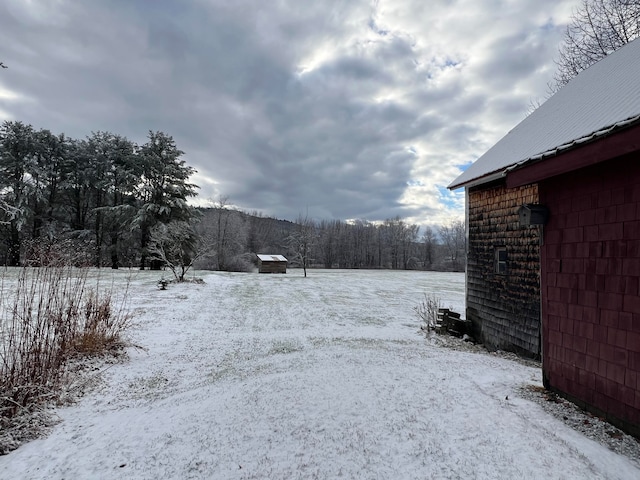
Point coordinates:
[(284, 377)]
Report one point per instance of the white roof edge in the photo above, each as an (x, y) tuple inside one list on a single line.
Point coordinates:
[(271, 258), (479, 180)]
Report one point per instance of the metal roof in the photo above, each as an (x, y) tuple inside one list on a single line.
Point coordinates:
[(272, 258), (601, 99)]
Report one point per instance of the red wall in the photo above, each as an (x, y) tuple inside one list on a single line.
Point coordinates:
[(590, 284)]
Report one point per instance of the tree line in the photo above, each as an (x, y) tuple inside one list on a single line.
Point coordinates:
[(234, 237), (100, 199), (105, 201)]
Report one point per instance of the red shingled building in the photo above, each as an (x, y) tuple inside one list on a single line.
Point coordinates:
[(577, 161)]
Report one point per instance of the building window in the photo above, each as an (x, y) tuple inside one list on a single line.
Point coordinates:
[(500, 263)]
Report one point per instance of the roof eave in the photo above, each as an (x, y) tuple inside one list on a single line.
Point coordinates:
[(577, 143), (617, 142), (491, 177)]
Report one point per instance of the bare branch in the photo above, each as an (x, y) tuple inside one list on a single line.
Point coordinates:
[(597, 28)]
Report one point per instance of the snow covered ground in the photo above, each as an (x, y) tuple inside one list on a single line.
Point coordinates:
[(282, 377)]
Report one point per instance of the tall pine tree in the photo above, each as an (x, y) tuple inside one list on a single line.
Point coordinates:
[(164, 189), (17, 158)]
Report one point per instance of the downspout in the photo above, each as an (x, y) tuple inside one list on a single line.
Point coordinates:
[(540, 244), (545, 380), (466, 247)]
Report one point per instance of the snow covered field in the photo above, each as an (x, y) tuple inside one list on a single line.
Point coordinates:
[(282, 377)]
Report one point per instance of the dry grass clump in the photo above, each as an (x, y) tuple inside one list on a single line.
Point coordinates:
[(49, 315), (427, 310)]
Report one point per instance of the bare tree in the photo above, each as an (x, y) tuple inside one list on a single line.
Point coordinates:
[(395, 235), (261, 233), (453, 237), (177, 246), (597, 28), (302, 241), (328, 232), (228, 230), (428, 242)]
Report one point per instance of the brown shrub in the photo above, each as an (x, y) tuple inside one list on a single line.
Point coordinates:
[(49, 316)]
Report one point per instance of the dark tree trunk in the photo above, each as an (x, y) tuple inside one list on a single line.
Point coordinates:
[(13, 259), (98, 233), (114, 250), (144, 240)]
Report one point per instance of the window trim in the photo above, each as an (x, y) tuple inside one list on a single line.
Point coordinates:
[(500, 259)]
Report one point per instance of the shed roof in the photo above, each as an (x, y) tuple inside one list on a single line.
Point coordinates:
[(272, 258), (601, 99)]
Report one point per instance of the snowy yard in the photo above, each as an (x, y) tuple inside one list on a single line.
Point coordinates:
[(283, 377)]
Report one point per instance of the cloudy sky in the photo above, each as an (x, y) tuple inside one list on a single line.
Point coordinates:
[(341, 109)]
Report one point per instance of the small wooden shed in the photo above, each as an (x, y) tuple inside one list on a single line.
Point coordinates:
[(272, 264)]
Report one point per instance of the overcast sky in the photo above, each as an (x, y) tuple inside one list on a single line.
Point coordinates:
[(339, 109)]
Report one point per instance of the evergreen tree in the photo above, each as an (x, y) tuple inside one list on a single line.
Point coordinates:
[(164, 189), (17, 151), (122, 182), (114, 177), (49, 176)]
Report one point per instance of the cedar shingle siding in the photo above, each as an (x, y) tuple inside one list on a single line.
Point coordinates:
[(504, 308)]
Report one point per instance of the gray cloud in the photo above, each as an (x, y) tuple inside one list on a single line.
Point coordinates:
[(347, 109)]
